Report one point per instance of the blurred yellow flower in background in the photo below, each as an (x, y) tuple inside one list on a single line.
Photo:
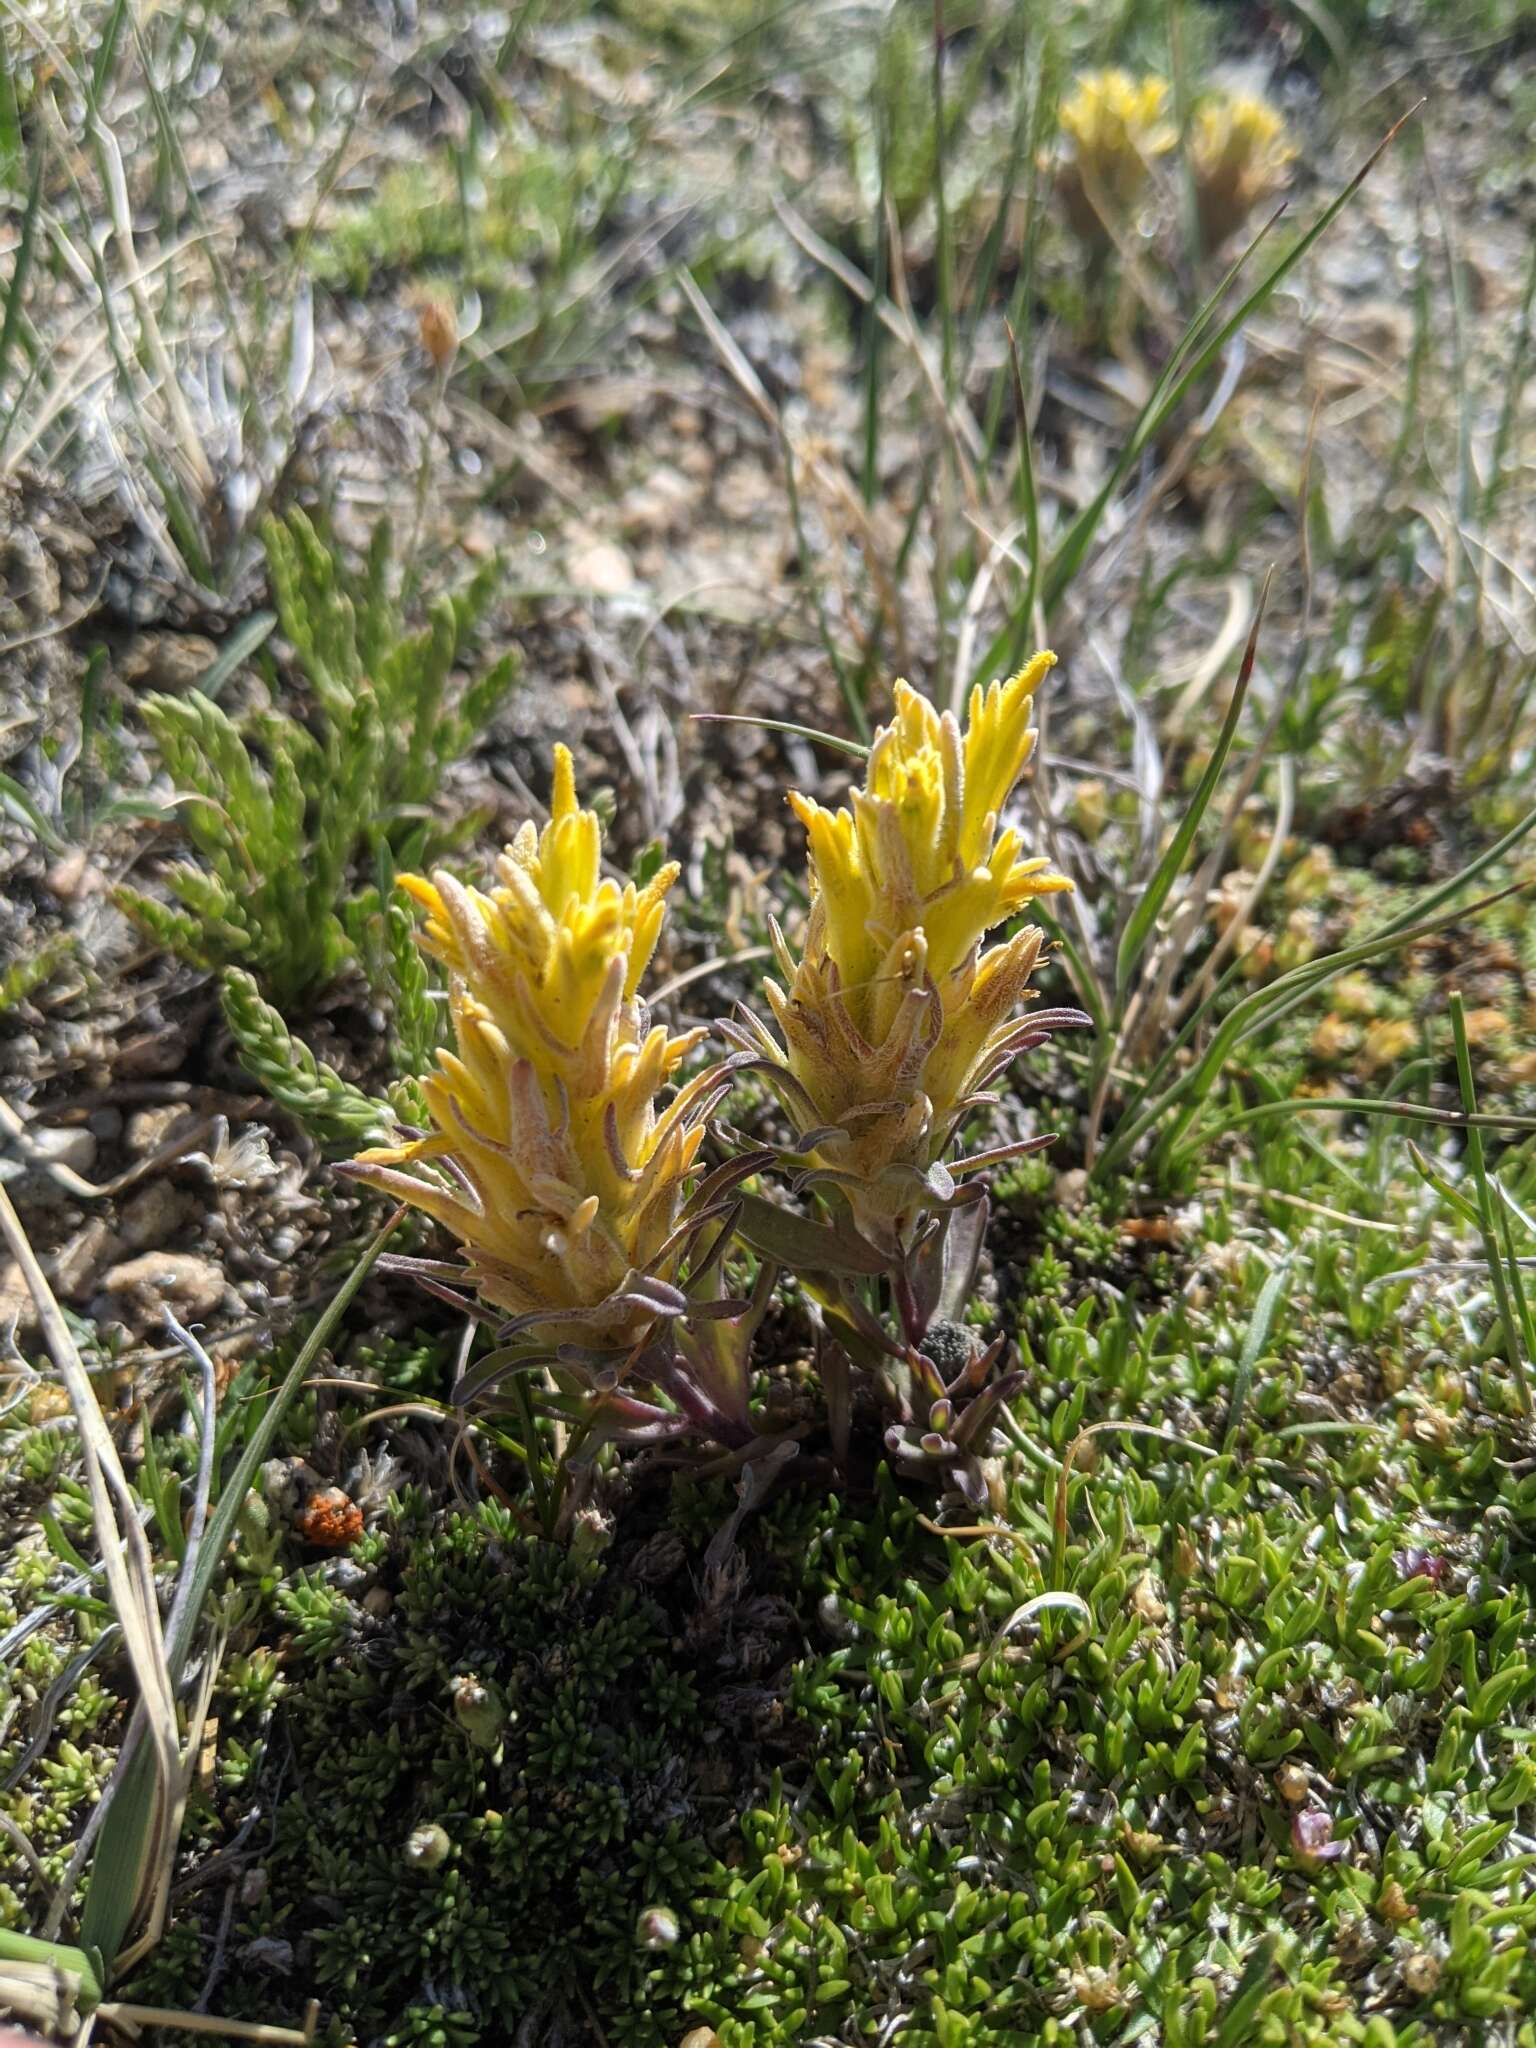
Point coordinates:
[(1116, 126), (1239, 153)]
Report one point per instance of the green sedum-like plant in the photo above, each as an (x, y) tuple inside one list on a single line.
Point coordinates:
[(281, 809), (495, 1773)]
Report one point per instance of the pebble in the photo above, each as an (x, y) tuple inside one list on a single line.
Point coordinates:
[(75, 1147), (148, 1129), (662, 504), (28, 1179), (268, 1952), (74, 876), (153, 1216), (143, 1288), (168, 661), (76, 1264), (602, 569), (17, 1308), (155, 1052)]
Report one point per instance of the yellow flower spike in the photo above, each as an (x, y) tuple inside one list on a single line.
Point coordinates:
[(549, 1159), (1239, 153), (1116, 128), (893, 1015)]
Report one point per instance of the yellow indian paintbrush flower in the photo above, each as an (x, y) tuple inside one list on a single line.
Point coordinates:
[(1238, 153), (1115, 126), (549, 1160), (893, 1015)]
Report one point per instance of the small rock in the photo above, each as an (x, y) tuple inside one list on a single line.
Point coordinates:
[(157, 1051), (27, 1166), (17, 1308), (152, 1217), (267, 1952), (1071, 1187), (148, 1129), (288, 1483), (1421, 1972), (75, 876), (744, 491), (76, 1264), (1292, 1783), (602, 569), (169, 661), (661, 505), (142, 1289)]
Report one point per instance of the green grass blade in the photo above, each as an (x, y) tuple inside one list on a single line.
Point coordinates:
[(1144, 917), (1371, 1105), (1259, 1327), (803, 732), (1452, 1197), (54, 1955), (16, 291), (1266, 1007), (250, 634), (1188, 364), (1023, 624), (1493, 1248), (17, 804), (1513, 1275)]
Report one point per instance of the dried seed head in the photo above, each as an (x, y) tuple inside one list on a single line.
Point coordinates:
[(1421, 1973), (657, 1928), (1291, 1783), (478, 1712), (1394, 1904), (427, 1847), (439, 330)]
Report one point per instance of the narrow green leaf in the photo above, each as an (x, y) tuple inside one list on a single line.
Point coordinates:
[(1259, 1326), (17, 289), (802, 1246), (804, 732), (16, 803), (1144, 917), (238, 648), (55, 1955), (1492, 1246)]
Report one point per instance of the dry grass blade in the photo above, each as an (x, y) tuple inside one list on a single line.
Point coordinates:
[(136, 2016), (108, 1916), (1144, 918), (126, 1560), (188, 441), (751, 386)]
